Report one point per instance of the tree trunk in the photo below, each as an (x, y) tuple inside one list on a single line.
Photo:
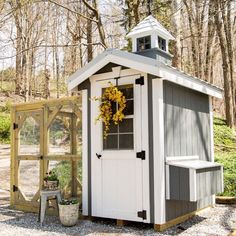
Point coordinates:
[(226, 70)]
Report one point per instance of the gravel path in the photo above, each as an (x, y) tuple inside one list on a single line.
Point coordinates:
[(219, 220)]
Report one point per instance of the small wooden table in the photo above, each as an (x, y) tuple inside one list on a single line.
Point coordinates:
[(44, 195)]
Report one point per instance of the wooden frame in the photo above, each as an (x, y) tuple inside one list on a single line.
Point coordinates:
[(44, 113)]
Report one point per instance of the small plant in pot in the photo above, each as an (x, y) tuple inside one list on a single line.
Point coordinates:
[(51, 181), (69, 212)]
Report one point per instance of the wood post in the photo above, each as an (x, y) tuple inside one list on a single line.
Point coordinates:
[(121, 223)]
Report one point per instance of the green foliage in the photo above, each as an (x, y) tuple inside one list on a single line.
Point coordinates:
[(5, 125), (225, 153), (224, 137), (51, 176), (63, 171), (69, 202), (8, 74), (6, 108), (229, 162)]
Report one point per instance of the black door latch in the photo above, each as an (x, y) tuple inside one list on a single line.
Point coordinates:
[(98, 155)]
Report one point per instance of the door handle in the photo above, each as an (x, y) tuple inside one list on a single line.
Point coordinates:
[(98, 155)]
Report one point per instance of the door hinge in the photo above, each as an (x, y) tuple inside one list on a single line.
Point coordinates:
[(140, 80), (15, 188), (141, 155), (15, 126), (142, 214)]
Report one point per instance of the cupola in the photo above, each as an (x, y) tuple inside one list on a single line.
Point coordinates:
[(151, 39)]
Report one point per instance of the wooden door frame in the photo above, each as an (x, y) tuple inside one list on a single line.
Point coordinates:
[(17, 197)]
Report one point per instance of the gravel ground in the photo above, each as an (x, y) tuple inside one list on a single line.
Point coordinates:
[(220, 220)]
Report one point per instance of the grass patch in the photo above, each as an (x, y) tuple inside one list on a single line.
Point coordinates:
[(229, 162), (225, 153)]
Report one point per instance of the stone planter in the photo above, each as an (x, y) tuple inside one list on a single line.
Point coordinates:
[(69, 214)]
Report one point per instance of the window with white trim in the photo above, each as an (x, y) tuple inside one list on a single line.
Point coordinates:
[(121, 136), (143, 43)]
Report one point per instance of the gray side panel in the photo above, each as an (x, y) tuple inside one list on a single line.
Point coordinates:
[(208, 181), (86, 85), (174, 182), (150, 128), (154, 52), (179, 183), (187, 133)]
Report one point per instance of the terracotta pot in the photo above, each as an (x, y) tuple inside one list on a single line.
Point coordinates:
[(69, 214), (51, 185)]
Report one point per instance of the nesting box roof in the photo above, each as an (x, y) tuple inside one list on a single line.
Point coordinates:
[(148, 25)]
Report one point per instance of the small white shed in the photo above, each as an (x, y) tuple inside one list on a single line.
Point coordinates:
[(156, 166)]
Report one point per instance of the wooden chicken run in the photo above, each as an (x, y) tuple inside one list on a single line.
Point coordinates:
[(46, 136)]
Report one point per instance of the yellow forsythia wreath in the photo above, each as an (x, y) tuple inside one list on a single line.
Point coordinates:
[(111, 94)]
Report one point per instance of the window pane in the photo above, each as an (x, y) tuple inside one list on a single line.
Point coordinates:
[(141, 40), (129, 110), (126, 126), (148, 40), (162, 43), (113, 128), (111, 142), (126, 141), (127, 92), (147, 46), (143, 43), (113, 107)]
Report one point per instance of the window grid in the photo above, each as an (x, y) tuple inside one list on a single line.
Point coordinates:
[(143, 43), (118, 134), (162, 43)]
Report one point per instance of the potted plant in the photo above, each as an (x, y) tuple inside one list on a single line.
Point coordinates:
[(69, 212), (51, 181)]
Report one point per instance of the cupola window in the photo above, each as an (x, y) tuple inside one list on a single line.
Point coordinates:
[(143, 43), (161, 43)]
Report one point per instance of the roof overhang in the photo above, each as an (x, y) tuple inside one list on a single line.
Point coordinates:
[(122, 58), (142, 64)]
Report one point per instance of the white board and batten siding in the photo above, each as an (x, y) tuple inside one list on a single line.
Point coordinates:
[(120, 181)]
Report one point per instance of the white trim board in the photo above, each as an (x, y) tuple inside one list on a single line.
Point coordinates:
[(145, 65), (158, 152), (85, 152), (181, 158)]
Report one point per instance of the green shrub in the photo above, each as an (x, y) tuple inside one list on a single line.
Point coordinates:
[(6, 108), (228, 160), (224, 137), (5, 125)]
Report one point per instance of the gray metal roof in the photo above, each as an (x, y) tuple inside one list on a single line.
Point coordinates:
[(143, 64)]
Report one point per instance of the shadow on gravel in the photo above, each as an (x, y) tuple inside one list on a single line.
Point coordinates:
[(84, 227), (227, 216)]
